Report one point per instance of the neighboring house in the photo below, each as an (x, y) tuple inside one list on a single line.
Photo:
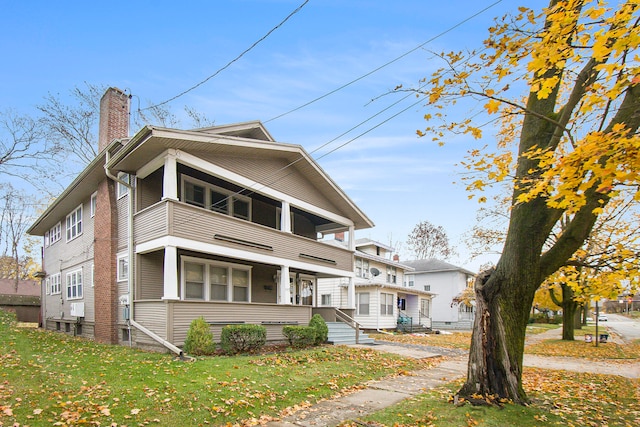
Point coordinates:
[(447, 282), (170, 225), (23, 299), (381, 300)]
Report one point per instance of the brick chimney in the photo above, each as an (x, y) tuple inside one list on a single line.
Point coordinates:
[(114, 117), (114, 124), (339, 237), (396, 258)]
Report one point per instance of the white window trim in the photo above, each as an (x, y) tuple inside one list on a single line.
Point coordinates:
[(207, 284), (122, 190), (358, 294), (122, 276), (54, 281), (55, 233), (231, 196), (79, 285), (93, 204), (383, 298), (69, 230)]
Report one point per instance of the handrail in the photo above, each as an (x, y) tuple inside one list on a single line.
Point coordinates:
[(345, 318), (404, 319)]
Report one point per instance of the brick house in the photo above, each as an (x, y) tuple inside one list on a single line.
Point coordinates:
[(169, 225)]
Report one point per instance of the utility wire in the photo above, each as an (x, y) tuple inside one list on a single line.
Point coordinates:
[(437, 36), (230, 62)]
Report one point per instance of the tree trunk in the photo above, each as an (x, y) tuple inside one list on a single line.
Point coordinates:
[(569, 307), (503, 302)]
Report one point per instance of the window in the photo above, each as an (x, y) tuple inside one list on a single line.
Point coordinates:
[(215, 281), (123, 190), (74, 284), (362, 303), (218, 283), (93, 205), (362, 268), (240, 285), (215, 198), (54, 284), (55, 233), (194, 194), (123, 267), (391, 274), (194, 280), (325, 299), (74, 223), (427, 288), (386, 304), (424, 307)]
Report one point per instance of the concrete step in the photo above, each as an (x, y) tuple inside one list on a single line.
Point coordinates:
[(341, 333)]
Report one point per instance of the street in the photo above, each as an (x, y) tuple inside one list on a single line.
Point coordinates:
[(628, 329)]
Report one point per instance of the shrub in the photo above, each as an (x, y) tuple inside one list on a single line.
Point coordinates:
[(242, 338), (322, 330), (300, 336), (199, 338)]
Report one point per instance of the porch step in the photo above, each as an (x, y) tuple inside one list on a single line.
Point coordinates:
[(341, 333)]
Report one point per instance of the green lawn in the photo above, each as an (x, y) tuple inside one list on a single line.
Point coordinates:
[(48, 378)]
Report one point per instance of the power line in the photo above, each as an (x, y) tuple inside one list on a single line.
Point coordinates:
[(230, 62), (437, 36)]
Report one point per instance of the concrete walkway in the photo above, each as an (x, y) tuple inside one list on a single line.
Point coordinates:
[(386, 392)]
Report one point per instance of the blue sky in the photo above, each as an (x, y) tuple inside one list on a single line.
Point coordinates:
[(158, 49)]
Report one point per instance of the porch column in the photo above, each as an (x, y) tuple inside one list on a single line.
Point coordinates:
[(284, 293), (352, 238), (170, 273), (170, 178), (351, 294), (285, 218)]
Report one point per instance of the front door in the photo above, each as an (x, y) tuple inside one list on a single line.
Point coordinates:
[(302, 288)]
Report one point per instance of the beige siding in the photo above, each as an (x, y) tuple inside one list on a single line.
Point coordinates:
[(195, 223), (150, 284), (285, 179), (63, 257), (122, 218), (151, 223), (149, 189)]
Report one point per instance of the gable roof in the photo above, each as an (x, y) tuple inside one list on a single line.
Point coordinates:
[(435, 266)]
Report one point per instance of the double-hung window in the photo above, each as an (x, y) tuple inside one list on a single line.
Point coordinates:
[(53, 287), (123, 190), (217, 199), (362, 303), (392, 273), (74, 284), (74, 223), (55, 233), (386, 304), (215, 281), (93, 204), (123, 267)]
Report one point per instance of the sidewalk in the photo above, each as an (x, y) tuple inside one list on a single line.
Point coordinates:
[(386, 392)]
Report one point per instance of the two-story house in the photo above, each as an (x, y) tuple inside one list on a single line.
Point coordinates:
[(447, 282), (169, 225), (382, 302)]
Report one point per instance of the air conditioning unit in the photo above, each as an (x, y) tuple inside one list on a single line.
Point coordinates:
[(77, 309)]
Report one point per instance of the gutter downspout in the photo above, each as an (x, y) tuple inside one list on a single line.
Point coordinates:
[(130, 250)]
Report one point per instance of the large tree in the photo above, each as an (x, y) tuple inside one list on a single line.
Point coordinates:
[(565, 82), (429, 241)]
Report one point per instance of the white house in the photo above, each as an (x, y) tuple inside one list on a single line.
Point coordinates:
[(446, 281), (382, 302)]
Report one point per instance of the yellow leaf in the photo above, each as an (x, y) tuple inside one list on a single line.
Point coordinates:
[(492, 106)]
